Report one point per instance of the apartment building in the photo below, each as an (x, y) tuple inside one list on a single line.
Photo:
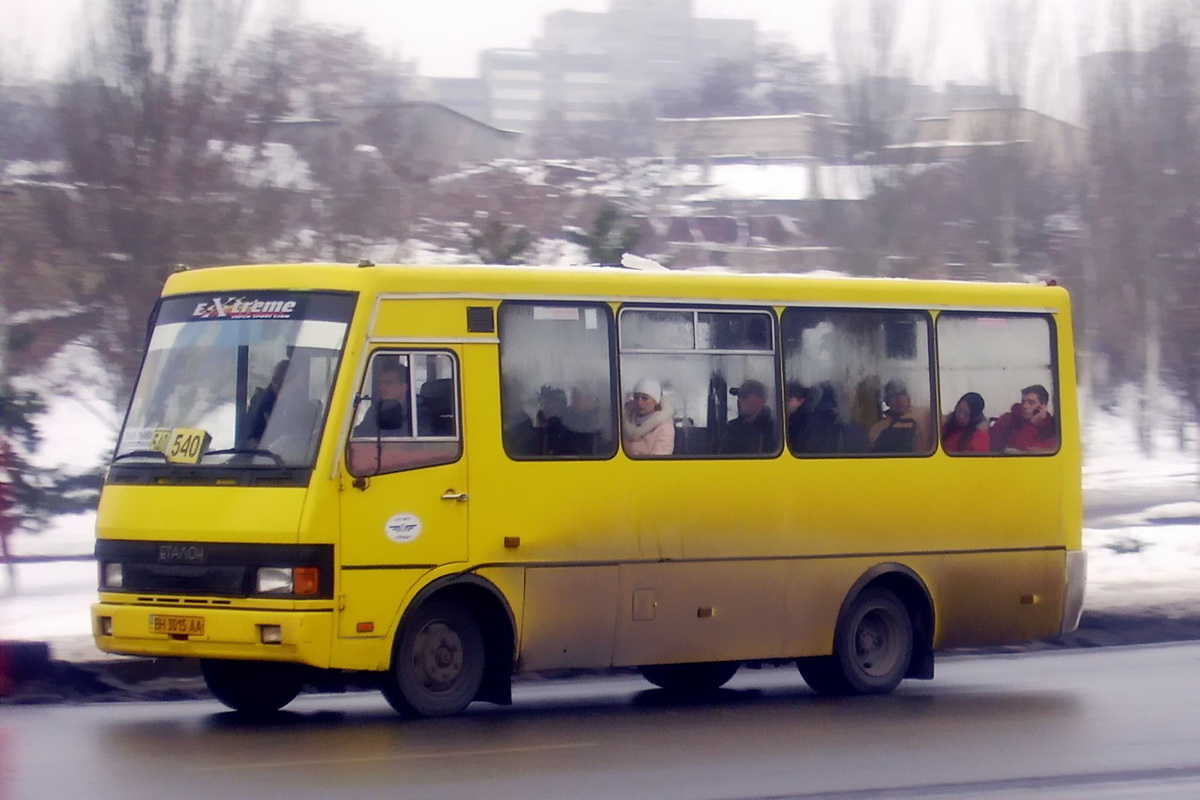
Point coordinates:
[(586, 65)]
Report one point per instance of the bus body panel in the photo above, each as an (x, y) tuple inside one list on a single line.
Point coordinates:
[(423, 320), (369, 601), (999, 597), (700, 611), (188, 513), (570, 617)]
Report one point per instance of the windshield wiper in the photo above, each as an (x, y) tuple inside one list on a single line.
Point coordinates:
[(248, 451), (140, 454)]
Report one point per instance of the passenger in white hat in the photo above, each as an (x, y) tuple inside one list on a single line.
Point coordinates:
[(648, 424)]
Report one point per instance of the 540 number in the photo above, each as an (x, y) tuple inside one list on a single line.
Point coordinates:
[(181, 445)]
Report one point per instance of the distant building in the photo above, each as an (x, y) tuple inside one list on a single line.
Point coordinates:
[(467, 96), (515, 81), (775, 136), (428, 139), (586, 64), (957, 96), (650, 42), (892, 106), (1051, 144)]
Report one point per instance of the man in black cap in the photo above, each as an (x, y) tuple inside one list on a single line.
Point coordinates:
[(754, 431)]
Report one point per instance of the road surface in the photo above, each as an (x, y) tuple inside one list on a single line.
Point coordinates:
[(1107, 722)]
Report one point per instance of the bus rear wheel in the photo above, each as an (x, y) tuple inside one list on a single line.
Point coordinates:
[(872, 648), (252, 687), (437, 663), (690, 679)]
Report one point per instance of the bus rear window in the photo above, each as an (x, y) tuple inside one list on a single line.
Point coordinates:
[(998, 384)]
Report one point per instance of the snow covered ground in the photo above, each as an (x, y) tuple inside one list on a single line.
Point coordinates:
[(1146, 560)]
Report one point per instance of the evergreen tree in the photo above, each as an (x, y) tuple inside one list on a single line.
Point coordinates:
[(38, 493), (499, 243), (608, 240)]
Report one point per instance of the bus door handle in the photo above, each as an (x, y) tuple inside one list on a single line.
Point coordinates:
[(453, 495)]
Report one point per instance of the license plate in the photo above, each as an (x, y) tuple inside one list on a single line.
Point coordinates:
[(176, 626)]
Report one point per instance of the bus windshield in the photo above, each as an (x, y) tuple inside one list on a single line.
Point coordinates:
[(236, 380)]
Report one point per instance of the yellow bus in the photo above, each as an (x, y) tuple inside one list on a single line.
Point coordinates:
[(435, 478)]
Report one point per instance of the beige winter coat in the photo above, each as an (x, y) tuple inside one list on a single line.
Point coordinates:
[(653, 436)]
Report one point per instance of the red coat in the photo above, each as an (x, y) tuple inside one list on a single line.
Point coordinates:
[(1013, 432), (966, 440)]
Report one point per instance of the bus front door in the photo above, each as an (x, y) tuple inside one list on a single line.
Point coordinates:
[(404, 492)]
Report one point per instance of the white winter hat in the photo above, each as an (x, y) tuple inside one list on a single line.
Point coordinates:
[(649, 386)]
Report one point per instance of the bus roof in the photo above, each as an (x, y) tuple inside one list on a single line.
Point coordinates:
[(713, 285)]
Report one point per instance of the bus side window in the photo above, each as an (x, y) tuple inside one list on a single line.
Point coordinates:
[(717, 373), (406, 414), (1007, 361), (435, 408), (556, 380), (859, 382)]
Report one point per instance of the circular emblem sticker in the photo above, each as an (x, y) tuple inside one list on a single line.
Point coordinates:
[(403, 528)]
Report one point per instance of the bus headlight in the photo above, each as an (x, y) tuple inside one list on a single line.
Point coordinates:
[(112, 576), (302, 581), (274, 580)]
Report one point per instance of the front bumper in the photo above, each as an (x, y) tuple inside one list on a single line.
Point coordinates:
[(228, 633)]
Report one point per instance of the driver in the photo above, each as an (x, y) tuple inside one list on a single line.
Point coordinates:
[(263, 403), (389, 414)]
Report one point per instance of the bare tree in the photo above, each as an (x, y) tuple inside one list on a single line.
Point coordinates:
[(876, 73), (147, 120), (1144, 119), (340, 102), (877, 93), (773, 79)]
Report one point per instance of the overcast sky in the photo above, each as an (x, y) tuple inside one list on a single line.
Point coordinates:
[(445, 36), (946, 39)]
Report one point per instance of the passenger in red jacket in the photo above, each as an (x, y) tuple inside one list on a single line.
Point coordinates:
[(1029, 426), (966, 429)]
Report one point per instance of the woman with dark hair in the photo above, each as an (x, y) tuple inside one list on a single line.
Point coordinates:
[(965, 430)]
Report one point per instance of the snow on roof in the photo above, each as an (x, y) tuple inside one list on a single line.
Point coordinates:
[(799, 115), (15, 170), (783, 181), (950, 143)]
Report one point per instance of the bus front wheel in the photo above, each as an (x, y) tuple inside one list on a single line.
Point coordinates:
[(872, 648), (437, 663), (690, 679), (252, 687)]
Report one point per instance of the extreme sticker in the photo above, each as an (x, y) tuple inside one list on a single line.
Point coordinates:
[(243, 308)]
